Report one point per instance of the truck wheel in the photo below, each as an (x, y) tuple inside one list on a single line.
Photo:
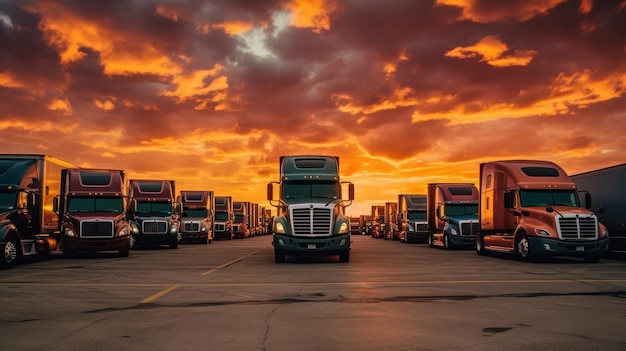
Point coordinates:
[(344, 256), (522, 248), (9, 254), (279, 257), (205, 240), (431, 241), (480, 244), (446, 241)]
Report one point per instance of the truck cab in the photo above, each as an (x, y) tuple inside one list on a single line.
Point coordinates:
[(531, 209), (452, 215), (153, 213), (311, 219), (223, 228), (197, 216), (412, 222)]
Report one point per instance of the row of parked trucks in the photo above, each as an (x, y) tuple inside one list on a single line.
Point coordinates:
[(49, 205), (524, 207)]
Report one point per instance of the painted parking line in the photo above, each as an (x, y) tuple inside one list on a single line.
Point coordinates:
[(174, 287)]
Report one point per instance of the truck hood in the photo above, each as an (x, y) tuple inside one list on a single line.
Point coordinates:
[(457, 219)]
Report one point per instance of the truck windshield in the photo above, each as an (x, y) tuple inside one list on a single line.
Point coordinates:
[(306, 191), (238, 218), (221, 216), (196, 212), (154, 208), (416, 216), (548, 198), (92, 204), (7, 201), (461, 210)]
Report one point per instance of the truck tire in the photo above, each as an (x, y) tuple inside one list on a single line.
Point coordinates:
[(279, 256), (431, 241), (205, 241), (344, 256), (522, 248), (446, 241), (480, 245), (10, 253)]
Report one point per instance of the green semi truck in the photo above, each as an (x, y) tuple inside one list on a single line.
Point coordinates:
[(311, 216)]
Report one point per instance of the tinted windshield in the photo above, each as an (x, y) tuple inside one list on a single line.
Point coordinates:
[(461, 210), (154, 208), (414, 215), (221, 216), (99, 204), (8, 201), (306, 191), (239, 218), (548, 198), (200, 212)]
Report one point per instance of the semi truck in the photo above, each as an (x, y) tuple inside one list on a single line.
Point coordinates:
[(531, 209), (391, 231), (412, 222), (378, 221), (28, 224), (92, 209), (197, 216), (223, 228), (153, 213), (606, 186), (452, 215), (311, 216), (240, 221), (365, 224)]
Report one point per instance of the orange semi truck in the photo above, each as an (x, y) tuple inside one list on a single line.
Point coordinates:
[(532, 209)]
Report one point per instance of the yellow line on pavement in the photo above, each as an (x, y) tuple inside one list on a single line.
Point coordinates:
[(160, 293), (230, 263)]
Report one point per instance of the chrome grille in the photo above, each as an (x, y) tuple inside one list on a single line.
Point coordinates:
[(154, 227), (421, 227), (189, 227), (96, 229), (311, 221), (574, 227), (468, 228), (220, 227)]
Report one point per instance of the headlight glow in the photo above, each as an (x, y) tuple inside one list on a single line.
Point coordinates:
[(278, 228), (344, 228), (69, 232), (542, 232)]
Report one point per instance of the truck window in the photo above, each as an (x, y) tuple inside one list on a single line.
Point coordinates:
[(304, 191), (548, 198), (87, 204), (221, 216), (7, 200), (461, 210), (201, 212), (154, 208), (413, 215)]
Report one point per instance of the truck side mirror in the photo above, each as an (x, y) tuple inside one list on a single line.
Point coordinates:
[(270, 192), (350, 191), (508, 199), (55, 205)]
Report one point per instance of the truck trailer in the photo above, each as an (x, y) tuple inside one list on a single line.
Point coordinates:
[(197, 216), (223, 228), (28, 224), (412, 222), (606, 186), (532, 209), (153, 212), (311, 216), (452, 215), (92, 211), (390, 215)]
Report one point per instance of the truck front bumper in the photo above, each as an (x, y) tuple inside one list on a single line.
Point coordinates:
[(290, 245), (91, 245), (555, 247), (414, 237), (194, 236), (465, 241), (155, 239)]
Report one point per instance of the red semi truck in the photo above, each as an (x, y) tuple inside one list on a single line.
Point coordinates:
[(223, 228), (197, 216), (92, 211), (240, 222), (531, 208)]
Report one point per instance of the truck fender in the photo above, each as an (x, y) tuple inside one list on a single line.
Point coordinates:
[(5, 229)]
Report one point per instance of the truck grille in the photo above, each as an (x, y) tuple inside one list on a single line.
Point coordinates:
[(96, 229), (154, 227), (220, 227), (574, 227), (421, 227), (469, 228), (311, 221), (191, 227)]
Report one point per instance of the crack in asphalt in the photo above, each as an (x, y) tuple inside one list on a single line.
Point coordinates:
[(342, 299)]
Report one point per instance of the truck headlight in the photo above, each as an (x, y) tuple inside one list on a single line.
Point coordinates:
[(453, 231), (69, 232), (344, 228), (542, 232), (173, 229), (134, 228), (279, 228), (124, 231), (605, 233), (203, 229)]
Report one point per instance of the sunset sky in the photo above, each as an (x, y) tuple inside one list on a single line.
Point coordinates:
[(406, 92)]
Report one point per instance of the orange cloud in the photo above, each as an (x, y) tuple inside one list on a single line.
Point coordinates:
[(167, 13), (520, 11), (105, 105), (7, 79), (120, 53), (230, 27), (60, 105), (313, 14), (198, 84), (493, 51)]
